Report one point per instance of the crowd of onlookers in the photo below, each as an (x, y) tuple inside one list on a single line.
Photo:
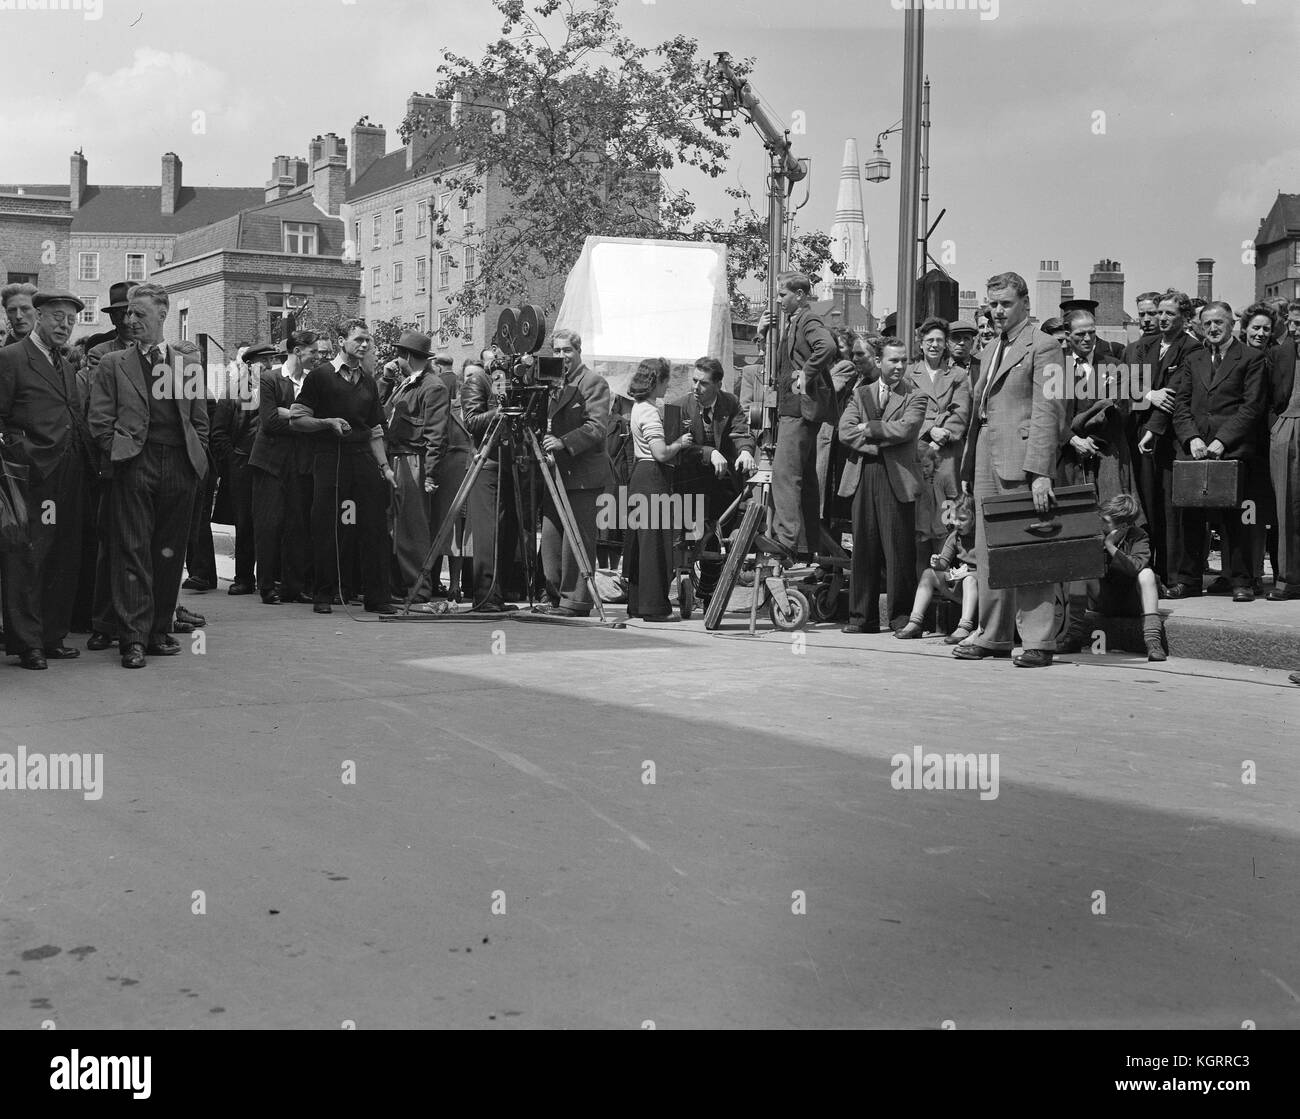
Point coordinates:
[(338, 467)]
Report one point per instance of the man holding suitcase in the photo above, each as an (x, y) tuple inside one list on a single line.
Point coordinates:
[(1012, 446)]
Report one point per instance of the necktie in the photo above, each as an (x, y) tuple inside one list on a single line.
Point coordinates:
[(883, 394), (707, 414), (993, 369), (1216, 358)]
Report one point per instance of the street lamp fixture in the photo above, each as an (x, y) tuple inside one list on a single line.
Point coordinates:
[(877, 167)]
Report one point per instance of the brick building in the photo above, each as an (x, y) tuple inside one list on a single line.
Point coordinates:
[(1277, 250), (35, 222)]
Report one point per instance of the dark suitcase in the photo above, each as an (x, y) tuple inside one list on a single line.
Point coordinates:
[(1027, 550), (1208, 483)]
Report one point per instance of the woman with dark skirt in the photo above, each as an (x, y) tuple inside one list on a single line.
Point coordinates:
[(647, 545)]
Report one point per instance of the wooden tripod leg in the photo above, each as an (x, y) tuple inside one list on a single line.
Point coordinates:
[(730, 576)]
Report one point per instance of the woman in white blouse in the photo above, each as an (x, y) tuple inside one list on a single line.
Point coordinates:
[(648, 545)]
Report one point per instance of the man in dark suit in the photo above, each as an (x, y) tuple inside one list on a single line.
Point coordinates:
[(1284, 465), (44, 429), (805, 399), (1012, 447), (721, 454), (1166, 359), (880, 427), (1104, 349), (1220, 399), (961, 346), (578, 418), (16, 300), (150, 420), (280, 531)]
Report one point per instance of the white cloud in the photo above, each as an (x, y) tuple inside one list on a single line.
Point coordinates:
[(124, 120)]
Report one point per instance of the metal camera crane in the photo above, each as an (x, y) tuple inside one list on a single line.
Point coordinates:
[(789, 607)]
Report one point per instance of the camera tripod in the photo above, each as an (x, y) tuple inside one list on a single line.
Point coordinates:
[(523, 442)]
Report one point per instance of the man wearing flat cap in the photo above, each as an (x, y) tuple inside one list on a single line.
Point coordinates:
[(45, 431)]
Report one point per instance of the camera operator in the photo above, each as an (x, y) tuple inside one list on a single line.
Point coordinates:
[(577, 418), (493, 524)]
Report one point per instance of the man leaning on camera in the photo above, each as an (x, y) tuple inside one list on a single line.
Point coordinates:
[(577, 420)]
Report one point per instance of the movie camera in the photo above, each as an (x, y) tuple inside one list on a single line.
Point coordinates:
[(524, 379)]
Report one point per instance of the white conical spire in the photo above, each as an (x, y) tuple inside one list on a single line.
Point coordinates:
[(849, 231)]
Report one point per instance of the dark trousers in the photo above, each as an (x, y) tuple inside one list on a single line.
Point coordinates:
[(200, 551), (884, 536), (83, 608), (1164, 518), (648, 552), (40, 584), (280, 533), (409, 524), (1238, 553), (239, 477), (151, 506), (350, 506), (493, 527), (103, 618), (563, 578), (796, 499)]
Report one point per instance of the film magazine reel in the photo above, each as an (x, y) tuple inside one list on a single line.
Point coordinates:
[(520, 330)]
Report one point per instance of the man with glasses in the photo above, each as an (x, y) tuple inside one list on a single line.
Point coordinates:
[(44, 430)]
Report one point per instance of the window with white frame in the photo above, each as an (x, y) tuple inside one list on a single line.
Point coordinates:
[(135, 267), (88, 267), (421, 219), (471, 263), (399, 274), (421, 273), (374, 282), (90, 313), (444, 200), (376, 230), (420, 319), (300, 238), (444, 317), (399, 224), (444, 270), (183, 321)]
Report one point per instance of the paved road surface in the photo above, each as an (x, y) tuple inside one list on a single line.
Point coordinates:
[(523, 771)]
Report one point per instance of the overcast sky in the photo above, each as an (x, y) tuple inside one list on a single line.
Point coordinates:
[(1199, 100)]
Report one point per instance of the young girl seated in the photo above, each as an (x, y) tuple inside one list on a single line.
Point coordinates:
[(952, 574), (1129, 588)]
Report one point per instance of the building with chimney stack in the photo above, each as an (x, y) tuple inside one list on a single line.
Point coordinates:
[(1205, 278), (1047, 290), (1277, 250), (94, 236), (1106, 287)]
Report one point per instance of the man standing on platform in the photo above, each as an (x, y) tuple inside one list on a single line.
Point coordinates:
[(1012, 447)]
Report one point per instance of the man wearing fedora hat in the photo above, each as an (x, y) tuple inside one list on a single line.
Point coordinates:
[(418, 407), (116, 311), (45, 430)]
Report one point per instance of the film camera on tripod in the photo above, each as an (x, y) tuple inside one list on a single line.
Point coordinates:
[(526, 380)]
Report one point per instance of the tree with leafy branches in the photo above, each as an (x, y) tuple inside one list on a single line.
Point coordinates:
[(576, 125)]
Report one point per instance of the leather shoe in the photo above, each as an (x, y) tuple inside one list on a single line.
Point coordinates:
[(297, 596), (1033, 658), (98, 640), (163, 646), (133, 656), (271, 598), (189, 617), (1294, 677), (199, 585), (557, 611), (1219, 585), (61, 653), (1243, 594), (1184, 590), (969, 652), (322, 608), (33, 659), (496, 608), (241, 588), (382, 608), (1277, 594), (772, 548)]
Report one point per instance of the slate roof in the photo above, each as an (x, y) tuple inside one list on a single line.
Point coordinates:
[(258, 229), (390, 170), (138, 209), (1282, 221)]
